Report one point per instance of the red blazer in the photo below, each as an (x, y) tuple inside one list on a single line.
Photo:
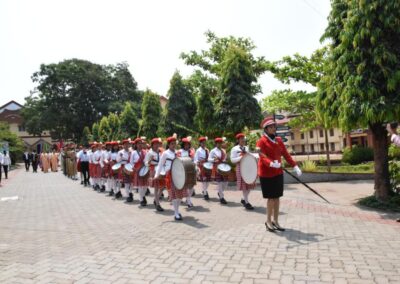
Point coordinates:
[(273, 151)]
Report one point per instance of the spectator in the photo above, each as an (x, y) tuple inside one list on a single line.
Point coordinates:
[(394, 137), (1, 164), (6, 163)]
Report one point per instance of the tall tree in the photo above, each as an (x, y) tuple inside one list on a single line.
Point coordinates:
[(104, 129), (236, 105), (222, 62), (129, 122), (361, 85), (151, 114), (86, 136), (95, 132), (181, 107), (74, 93), (115, 126)]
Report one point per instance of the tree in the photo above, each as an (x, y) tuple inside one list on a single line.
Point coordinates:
[(151, 114), (86, 136), (15, 144), (104, 129), (129, 121), (298, 68), (115, 126), (95, 132), (222, 64), (361, 85), (74, 93), (181, 107), (236, 106)]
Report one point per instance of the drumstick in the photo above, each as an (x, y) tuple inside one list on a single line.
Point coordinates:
[(297, 179)]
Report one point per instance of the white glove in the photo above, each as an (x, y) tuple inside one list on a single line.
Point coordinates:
[(275, 164), (297, 170)]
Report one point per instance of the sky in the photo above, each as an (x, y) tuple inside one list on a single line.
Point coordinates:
[(148, 35)]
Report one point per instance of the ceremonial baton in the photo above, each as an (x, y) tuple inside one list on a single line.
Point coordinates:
[(306, 185)]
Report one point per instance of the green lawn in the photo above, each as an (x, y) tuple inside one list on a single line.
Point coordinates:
[(367, 168)]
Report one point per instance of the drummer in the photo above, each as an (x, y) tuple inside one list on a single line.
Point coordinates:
[(91, 165), (111, 176), (97, 161), (124, 157), (151, 160), (237, 152), (218, 156), (201, 157), (137, 161), (107, 167), (271, 149), (166, 159), (186, 150)]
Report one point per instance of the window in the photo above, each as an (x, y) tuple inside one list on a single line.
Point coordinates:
[(322, 146), (332, 147), (311, 134), (21, 128), (321, 133), (303, 148), (312, 148), (332, 132), (292, 135), (302, 136)]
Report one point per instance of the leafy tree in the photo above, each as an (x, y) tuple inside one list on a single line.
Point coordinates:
[(236, 106), (115, 126), (95, 132), (151, 114), (181, 107), (86, 136), (104, 129), (74, 93), (361, 85), (16, 145), (129, 121)]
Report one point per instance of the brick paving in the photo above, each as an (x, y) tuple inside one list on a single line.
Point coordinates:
[(60, 232)]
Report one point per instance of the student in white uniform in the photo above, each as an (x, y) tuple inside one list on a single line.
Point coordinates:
[(218, 156), (124, 157), (201, 157), (186, 150)]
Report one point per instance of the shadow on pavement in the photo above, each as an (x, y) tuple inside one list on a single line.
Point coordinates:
[(299, 237), (189, 221), (198, 208)]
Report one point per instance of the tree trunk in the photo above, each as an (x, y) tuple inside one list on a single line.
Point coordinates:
[(382, 182), (328, 157)]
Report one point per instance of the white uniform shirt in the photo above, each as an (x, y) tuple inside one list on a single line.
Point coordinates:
[(97, 158), (113, 156), (165, 162), (90, 154), (200, 155), (123, 156), (135, 157), (183, 153), (152, 158), (237, 152), (1, 158), (84, 157), (78, 154), (216, 153), (105, 156)]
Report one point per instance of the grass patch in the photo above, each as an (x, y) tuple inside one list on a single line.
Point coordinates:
[(366, 168), (393, 204)]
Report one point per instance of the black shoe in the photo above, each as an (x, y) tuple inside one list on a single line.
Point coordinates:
[(248, 206), (111, 193), (179, 218), (269, 228), (398, 220), (206, 197), (147, 192), (159, 208), (189, 205), (81, 182), (130, 198), (162, 195), (243, 202), (145, 200), (118, 195), (223, 201), (103, 188), (277, 227), (193, 193), (143, 203)]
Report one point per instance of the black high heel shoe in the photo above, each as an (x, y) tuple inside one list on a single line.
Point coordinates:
[(269, 229), (277, 227)]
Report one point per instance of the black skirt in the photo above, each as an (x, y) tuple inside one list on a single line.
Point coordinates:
[(272, 187)]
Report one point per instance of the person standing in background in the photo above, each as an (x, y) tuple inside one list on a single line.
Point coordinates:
[(6, 163), (25, 158), (1, 165), (35, 161)]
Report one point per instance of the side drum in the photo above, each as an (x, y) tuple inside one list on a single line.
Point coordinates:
[(183, 173)]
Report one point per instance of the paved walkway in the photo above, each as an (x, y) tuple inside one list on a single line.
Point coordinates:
[(60, 232)]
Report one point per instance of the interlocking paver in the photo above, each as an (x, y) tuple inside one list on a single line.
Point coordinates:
[(59, 232)]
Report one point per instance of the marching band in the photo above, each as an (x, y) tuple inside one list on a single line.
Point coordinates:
[(132, 166)]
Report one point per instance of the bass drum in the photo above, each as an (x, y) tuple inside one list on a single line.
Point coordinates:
[(248, 168), (115, 168), (183, 173), (128, 169), (144, 172)]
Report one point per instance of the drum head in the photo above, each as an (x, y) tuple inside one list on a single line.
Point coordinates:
[(129, 167), (178, 174), (224, 167), (116, 167), (208, 166), (143, 171), (248, 168)]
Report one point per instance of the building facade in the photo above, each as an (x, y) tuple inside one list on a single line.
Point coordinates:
[(10, 113)]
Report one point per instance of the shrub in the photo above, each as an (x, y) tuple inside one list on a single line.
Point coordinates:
[(309, 166), (357, 155), (394, 152)]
